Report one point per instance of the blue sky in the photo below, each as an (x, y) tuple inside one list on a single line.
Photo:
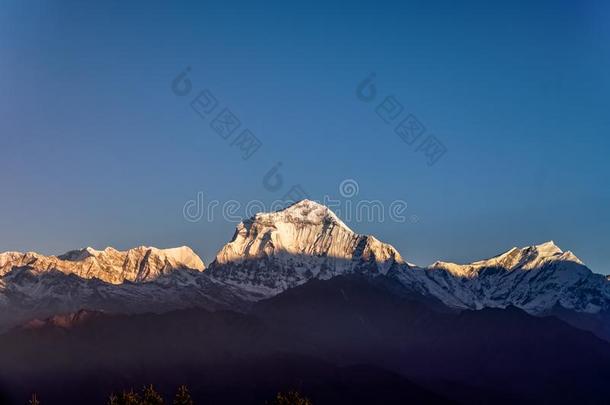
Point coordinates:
[(97, 149)]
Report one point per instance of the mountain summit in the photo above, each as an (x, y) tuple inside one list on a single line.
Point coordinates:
[(271, 252), (535, 278), (526, 258)]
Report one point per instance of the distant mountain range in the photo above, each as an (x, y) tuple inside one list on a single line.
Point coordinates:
[(297, 299), (272, 252)]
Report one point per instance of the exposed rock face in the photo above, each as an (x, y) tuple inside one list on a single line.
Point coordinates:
[(271, 252), (65, 321), (109, 265)]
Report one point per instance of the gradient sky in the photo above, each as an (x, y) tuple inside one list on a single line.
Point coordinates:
[(97, 150)]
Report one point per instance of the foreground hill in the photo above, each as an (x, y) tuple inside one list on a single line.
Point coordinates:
[(337, 340)]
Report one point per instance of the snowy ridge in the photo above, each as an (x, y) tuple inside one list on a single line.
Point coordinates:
[(526, 258), (109, 265), (534, 278)]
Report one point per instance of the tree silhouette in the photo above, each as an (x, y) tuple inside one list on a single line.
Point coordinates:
[(183, 397), (150, 396), (34, 400), (113, 400), (290, 398), (125, 398)]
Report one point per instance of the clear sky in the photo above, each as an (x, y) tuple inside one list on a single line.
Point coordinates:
[(97, 150)]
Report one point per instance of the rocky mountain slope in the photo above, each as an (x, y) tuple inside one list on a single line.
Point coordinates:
[(142, 279), (26, 294)]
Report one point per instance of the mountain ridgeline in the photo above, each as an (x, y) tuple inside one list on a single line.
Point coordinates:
[(272, 252), (297, 299)]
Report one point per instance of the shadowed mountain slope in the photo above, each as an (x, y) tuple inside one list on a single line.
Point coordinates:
[(317, 333)]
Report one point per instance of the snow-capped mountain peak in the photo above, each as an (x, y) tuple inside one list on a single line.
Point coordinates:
[(548, 248), (304, 212), (274, 251), (525, 258), (535, 278)]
